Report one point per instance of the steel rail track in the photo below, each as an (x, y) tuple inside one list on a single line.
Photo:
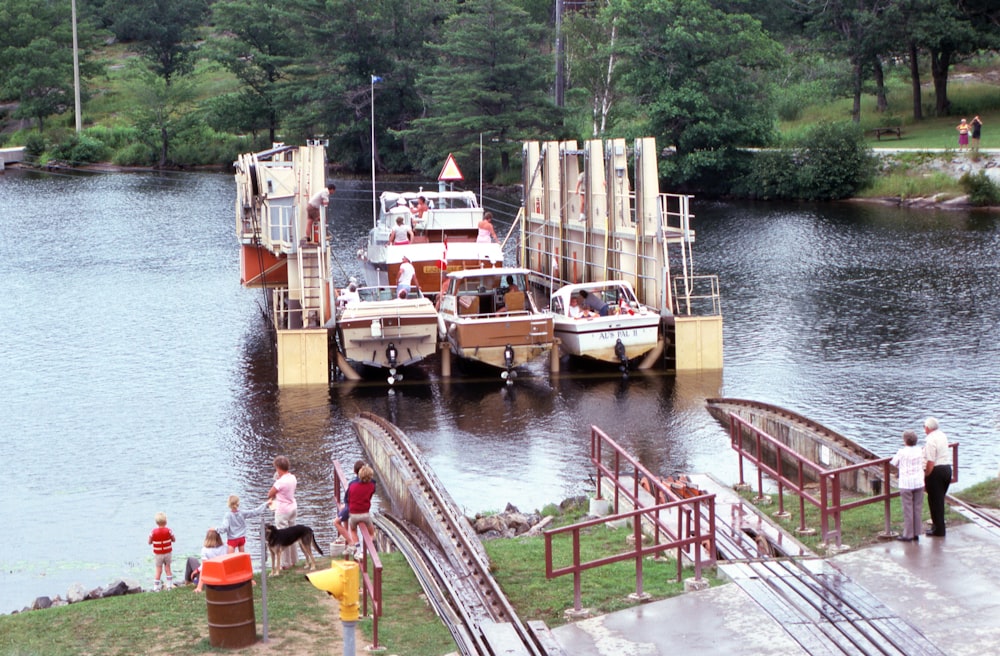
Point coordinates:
[(434, 581), (486, 611)]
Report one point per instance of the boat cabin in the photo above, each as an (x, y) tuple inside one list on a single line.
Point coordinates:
[(486, 292)]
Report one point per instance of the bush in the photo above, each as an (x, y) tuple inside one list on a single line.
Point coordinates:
[(35, 144), (981, 189), (80, 149), (830, 162), (836, 162), (136, 154)]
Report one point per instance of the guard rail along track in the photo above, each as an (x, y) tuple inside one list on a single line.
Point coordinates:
[(448, 557)]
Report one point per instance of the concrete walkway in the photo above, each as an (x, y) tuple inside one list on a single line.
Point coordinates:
[(946, 590)]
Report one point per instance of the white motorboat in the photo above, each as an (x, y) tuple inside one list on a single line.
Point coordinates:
[(624, 331), (444, 238), (381, 331)]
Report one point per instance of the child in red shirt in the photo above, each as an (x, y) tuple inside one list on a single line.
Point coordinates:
[(162, 539)]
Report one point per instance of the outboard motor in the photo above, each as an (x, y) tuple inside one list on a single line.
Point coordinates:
[(508, 360), (391, 355), (622, 358)]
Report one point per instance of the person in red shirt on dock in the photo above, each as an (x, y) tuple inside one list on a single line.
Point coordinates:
[(162, 539), (359, 503)]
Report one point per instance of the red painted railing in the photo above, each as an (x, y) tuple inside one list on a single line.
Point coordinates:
[(828, 501), (691, 534), (371, 582)]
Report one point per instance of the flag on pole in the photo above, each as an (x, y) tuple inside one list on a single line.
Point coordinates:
[(443, 262), (376, 78)]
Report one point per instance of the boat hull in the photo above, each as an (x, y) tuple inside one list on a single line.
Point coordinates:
[(369, 332), (486, 341), (597, 338)]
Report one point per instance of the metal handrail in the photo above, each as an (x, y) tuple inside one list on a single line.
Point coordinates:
[(371, 584), (831, 481), (693, 533)]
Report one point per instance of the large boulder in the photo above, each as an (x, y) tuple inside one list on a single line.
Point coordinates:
[(42, 603), (116, 589), (76, 593)]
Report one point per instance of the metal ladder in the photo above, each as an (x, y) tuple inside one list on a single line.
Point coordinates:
[(311, 277)]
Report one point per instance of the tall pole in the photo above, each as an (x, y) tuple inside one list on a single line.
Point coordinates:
[(374, 198), (76, 70), (559, 54)]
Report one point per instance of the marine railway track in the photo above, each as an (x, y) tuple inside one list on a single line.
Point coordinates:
[(449, 561), (820, 607)]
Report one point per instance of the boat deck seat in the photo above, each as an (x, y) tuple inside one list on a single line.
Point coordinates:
[(513, 301), (468, 304)]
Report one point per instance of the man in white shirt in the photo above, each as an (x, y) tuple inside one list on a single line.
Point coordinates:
[(405, 278), (937, 474)]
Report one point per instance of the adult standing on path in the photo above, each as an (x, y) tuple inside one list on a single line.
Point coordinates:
[(937, 474), (283, 495), (963, 135), (910, 462), (977, 132)]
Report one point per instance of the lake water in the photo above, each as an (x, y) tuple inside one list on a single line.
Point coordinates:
[(137, 376)]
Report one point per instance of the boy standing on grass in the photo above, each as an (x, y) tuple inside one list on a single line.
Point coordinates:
[(162, 539)]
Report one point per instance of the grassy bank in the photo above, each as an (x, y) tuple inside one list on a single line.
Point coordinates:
[(305, 621)]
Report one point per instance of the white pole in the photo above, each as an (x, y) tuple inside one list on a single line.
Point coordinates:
[(480, 169), (76, 70), (374, 197)]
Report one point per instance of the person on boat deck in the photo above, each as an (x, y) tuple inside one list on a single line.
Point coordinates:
[(575, 311), (405, 278), (594, 303), (348, 295), (319, 200), (487, 235), (402, 233), (513, 298), (421, 208)]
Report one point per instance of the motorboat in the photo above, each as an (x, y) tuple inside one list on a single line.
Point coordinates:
[(444, 238), (626, 331), (488, 318), (377, 330)]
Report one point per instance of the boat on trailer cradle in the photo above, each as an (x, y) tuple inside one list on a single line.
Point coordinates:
[(593, 215), (629, 331), (381, 334), (444, 238), (488, 320)]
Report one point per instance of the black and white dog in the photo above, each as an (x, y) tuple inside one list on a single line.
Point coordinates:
[(278, 539)]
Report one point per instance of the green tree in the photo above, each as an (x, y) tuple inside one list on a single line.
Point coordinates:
[(700, 76), (591, 65), (162, 110), (258, 43), (491, 80), (345, 43), (36, 57), (165, 31)]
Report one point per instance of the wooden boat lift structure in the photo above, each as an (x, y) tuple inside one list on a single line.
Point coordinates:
[(583, 221)]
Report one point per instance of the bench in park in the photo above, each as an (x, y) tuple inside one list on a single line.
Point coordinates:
[(880, 131)]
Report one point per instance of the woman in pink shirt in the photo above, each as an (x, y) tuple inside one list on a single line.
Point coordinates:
[(282, 493)]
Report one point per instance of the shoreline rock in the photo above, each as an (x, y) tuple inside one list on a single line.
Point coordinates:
[(77, 593)]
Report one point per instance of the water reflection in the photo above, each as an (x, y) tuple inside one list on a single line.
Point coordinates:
[(138, 375)]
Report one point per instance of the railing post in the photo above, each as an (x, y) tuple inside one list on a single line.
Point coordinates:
[(577, 596)]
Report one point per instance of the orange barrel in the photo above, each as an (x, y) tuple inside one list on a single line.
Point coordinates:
[(229, 593)]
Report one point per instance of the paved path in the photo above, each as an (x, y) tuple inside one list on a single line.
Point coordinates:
[(945, 590)]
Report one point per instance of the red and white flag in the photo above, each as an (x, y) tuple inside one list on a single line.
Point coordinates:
[(443, 262)]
